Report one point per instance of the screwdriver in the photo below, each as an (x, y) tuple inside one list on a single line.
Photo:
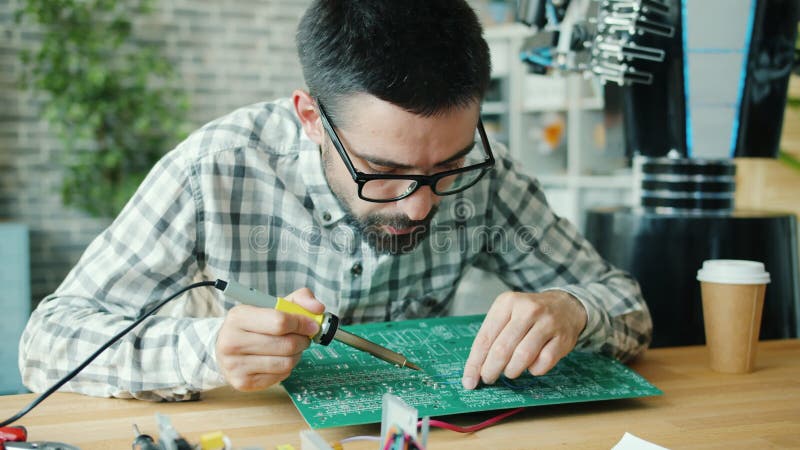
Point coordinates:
[(143, 441), (168, 437), (328, 323)]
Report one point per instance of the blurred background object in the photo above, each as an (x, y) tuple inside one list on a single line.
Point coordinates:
[(14, 301), (109, 95)]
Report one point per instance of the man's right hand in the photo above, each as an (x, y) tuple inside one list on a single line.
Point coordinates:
[(258, 347)]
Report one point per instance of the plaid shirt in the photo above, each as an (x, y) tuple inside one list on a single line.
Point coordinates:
[(245, 198)]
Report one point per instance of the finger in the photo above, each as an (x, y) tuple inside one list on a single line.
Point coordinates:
[(551, 354), (271, 322), (275, 365), (503, 348), (249, 343), (494, 322), (527, 351), (255, 382), (257, 372), (305, 298)]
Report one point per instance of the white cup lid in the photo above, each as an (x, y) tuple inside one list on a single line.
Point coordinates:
[(733, 271)]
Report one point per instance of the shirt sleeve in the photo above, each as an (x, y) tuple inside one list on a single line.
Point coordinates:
[(538, 251), (147, 254)]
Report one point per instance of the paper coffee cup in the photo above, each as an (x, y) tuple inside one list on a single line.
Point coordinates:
[(733, 300)]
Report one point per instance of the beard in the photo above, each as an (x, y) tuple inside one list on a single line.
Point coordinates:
[(372, 226)]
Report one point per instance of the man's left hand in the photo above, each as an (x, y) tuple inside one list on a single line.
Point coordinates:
[(524, 331)]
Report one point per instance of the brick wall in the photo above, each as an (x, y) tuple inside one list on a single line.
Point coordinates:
[(228, 54)]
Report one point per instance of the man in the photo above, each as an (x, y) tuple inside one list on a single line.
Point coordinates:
[(368, 195)]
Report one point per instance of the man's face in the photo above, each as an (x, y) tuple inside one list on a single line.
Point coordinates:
[(382, 138)]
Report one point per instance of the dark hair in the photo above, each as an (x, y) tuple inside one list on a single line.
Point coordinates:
[(425, 56)]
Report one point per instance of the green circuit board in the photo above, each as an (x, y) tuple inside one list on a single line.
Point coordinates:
[(337, 385)]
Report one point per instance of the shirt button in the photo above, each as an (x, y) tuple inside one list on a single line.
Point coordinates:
[(326, 216), (356, 269)]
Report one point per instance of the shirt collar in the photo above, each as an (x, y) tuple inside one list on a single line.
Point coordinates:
[(327, 209)]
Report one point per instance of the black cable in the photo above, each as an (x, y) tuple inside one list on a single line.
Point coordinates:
[(97, 353)]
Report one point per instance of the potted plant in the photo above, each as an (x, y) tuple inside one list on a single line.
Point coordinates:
[(108, 95)]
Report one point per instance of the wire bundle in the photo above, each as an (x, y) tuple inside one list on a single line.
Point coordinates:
[(397, 439)]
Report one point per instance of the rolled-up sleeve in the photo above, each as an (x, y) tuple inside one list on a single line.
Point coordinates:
[(147, 254)]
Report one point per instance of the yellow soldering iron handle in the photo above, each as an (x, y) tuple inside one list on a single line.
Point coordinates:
[(289, 307), (254, 297), (328, 323)]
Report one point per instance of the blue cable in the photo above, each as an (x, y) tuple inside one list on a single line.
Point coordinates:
[(540, 56)]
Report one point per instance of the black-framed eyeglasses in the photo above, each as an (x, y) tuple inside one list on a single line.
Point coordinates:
[(385, 188)]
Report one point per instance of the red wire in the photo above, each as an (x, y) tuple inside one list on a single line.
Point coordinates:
[(472, 428), (452, 427)]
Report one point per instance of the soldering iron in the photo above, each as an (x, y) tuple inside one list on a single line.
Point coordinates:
[(328, 323)]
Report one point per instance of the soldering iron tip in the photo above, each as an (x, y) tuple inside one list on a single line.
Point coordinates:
[(411, 365)]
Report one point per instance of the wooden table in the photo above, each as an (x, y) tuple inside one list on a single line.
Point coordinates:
[(699, 409)]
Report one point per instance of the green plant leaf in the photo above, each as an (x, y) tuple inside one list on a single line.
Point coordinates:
[(789, 160), (107, 93)]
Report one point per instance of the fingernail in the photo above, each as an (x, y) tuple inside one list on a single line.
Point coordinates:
[(312, 328), (469, 382)]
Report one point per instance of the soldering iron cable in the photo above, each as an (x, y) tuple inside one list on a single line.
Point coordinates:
[(100, 350)]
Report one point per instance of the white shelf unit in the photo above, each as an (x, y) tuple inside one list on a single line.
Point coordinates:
[(588, 167), (575, 176)]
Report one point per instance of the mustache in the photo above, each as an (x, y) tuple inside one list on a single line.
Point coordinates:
[(399, 221)]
